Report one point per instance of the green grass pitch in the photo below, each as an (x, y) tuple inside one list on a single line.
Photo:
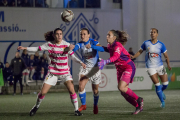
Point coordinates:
[(112, 106)]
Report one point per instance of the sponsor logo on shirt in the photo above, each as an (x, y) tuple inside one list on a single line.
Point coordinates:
[(154, 55)]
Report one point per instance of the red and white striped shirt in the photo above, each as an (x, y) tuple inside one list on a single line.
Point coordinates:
[(58, 56)]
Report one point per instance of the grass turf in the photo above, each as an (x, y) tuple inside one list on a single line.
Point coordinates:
[(112, 106)]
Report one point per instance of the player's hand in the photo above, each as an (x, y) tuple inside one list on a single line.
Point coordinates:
[(71, 47), (131, 56), (88, 46), (102, 63), (83, 65), (21, 48), (169, 68)]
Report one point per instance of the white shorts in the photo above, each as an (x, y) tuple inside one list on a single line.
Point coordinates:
[(160, 70), (94, 74), (51, 79), (25, 71)]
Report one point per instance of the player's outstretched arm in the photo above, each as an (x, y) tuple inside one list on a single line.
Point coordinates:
[(167, 60), (21, 48), (34, 49), (74, 58), (105, 49), (137, 54), (97, 47), (74, 47)]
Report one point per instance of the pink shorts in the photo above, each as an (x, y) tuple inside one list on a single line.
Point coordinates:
[(126, 72)]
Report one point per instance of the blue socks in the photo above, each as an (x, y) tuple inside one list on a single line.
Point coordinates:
[(82, 96), (164, 85), (96, 98), (159, 91)]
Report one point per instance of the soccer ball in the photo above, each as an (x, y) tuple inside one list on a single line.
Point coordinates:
[(67, 15)]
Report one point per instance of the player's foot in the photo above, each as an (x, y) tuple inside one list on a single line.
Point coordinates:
[(14, 94), (95, 110), (77, 113), (21, 93), (140, 103), (137, 110), (164, 96), (33, 111), (163, 105), (83, 107)]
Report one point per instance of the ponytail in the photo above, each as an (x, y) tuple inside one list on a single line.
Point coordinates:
[(49, 36), (121, 36)]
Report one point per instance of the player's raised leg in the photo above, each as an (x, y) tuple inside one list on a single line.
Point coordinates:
[(96, 97), (82, 93), (40, 97), (123, 87), (73, 96)]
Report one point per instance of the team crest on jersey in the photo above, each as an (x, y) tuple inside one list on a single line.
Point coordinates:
[(19, 60), (14, 61)]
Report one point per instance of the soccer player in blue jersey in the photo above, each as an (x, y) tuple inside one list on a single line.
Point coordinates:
[(154, 64), (89, 48)]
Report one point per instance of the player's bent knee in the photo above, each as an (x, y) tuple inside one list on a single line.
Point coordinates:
[(95, 92), (81, 88), (122, 89)]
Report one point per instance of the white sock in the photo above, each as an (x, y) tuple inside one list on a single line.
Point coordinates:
[(32, 73), (74, 101), (39, 100), (27, 78)]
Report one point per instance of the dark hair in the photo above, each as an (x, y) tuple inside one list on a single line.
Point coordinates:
[(121, 36), (154, 29), (49, 35), (85, 29)]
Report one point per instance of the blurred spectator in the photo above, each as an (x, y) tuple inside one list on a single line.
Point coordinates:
[(12, 4), (36, 58), (7, 74), (44, 66), (32, 66), (1, 65), (72, 4), (1, 77), (36, 66), (131, 53), (19, 3), (25, 72), (17, 65), (37, 4), (45, 4), (26, 4), (4, 3)]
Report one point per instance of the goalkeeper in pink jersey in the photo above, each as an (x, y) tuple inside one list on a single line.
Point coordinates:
[(58, 67), (124, 66)]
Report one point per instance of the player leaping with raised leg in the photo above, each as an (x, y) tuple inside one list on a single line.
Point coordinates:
[(124, 65), (58, 67)]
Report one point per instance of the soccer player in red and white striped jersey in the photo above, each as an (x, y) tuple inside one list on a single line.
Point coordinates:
[(58, 67)]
